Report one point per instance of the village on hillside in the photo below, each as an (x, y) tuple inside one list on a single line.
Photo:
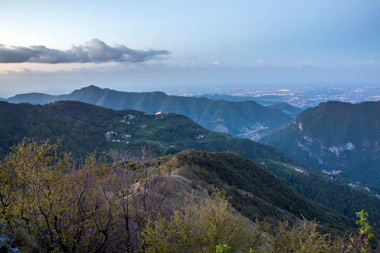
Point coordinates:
[(130, 124)]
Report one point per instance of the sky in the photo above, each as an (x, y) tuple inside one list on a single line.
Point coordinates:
[(57, 46)]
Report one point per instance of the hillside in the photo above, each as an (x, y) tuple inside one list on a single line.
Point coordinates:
[(254, 192), (335, 136), (83, 128), (329, 189), (246, 118)]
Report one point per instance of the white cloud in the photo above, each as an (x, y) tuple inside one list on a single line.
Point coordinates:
[(95, 51)]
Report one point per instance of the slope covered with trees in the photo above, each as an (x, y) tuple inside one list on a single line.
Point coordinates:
[(255, 192), (331, 191), (82, 128)]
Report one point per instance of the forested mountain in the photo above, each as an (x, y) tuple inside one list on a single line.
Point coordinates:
[(335, 136), (85, 128), (246, 118)]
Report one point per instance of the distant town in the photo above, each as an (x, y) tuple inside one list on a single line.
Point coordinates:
[(302, 96)]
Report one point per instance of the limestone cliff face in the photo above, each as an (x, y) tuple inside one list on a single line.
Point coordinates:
[(335, 135)]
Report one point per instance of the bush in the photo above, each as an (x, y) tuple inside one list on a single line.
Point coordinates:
[(199, 226), (303, 237)]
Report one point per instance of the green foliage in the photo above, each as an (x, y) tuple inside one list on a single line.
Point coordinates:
[(222, 248), (303, 237), (365, 230), (207, 225)]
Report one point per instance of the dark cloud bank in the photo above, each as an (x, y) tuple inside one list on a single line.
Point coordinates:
[(95, 51)]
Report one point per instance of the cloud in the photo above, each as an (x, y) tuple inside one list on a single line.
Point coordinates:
[(95, 51)]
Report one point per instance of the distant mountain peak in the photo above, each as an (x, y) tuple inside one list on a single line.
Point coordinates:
[(91, 87)]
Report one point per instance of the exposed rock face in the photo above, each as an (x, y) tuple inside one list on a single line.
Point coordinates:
[(221, 128), (335, 136)]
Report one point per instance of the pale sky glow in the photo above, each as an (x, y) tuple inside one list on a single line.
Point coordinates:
[(251, 40)]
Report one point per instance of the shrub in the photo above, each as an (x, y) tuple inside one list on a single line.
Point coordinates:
[(199, 226)]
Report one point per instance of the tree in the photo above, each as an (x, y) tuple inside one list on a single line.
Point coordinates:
[(36, 173), (365, 231), (66, 209)]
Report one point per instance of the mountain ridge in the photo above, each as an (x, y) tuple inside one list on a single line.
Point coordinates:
[(235, 118)]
